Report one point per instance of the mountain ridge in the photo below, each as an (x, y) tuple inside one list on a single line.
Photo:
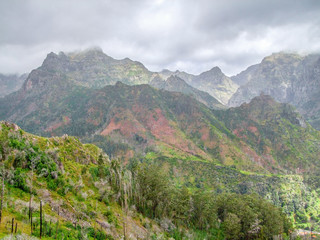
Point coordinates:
[(289, 78)]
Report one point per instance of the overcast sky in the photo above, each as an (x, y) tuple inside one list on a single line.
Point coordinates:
[(189, 35)]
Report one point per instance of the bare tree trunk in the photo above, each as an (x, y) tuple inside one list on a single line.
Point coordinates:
[(2, 196), (12, 224), (30, 202), (40, 219), (124, 208)]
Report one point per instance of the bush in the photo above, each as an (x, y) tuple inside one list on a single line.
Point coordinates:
[(19, 180)]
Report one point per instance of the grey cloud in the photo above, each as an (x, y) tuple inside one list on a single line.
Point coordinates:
[(187, 34)]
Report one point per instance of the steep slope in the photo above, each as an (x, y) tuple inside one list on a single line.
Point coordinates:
[(276, 131), (245, 76), (69, 178), (11, 83), (216, 84), (288, 78), (176, 84)]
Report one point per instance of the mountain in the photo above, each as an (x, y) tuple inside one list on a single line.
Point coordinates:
[(288, 78), (139, 118), (177, 84), (93, 68), (277, 132), (11, 83), (216, 84), (213, 82)]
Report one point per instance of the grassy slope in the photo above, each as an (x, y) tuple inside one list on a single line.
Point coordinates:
[(78, 192)]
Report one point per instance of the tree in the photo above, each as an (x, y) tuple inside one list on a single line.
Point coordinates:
[(33, 165), (232, 226), (2, 192)]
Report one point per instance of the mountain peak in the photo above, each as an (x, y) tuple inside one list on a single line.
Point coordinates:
[(174, 78), (215, 69), (213, 72), (50, 56), (52, 60), (282, 57)]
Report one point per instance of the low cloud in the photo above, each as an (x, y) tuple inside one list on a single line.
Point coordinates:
[(192, 36)]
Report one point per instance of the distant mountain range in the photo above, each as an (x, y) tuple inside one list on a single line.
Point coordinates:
[(214, 82), (288, 78)]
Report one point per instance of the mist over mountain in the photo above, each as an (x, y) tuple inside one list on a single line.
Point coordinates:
[(11, 83)]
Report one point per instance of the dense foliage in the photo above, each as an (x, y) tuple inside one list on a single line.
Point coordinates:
[(233, 216), (91, 190)]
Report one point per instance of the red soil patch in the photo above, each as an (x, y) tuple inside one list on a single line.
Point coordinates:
[(164, 130), (112, 126), (127, 124), (253, 129), (65, 121), (239, 133), (205, 134)]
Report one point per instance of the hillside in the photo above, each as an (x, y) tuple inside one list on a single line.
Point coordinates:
[(288, 78), (64, 174), (74, 191), (138, 116), (276, 131)]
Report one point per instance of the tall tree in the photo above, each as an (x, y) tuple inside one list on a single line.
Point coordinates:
[(2, 192), (31, 194)]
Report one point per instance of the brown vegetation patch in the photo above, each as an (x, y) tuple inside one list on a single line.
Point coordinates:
[(253, 129), (65, 121)]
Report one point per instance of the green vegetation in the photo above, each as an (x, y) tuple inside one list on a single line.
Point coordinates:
[(85, 194)]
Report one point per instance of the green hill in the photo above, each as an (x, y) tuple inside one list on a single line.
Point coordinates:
[(84, 195)]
